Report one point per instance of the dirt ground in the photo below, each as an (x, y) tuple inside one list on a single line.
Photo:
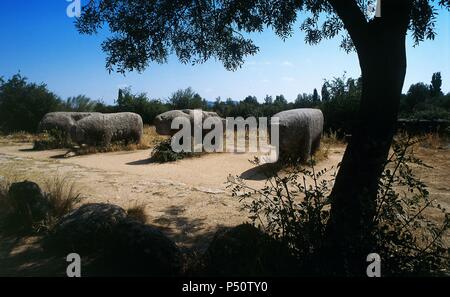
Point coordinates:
[(188, 199)]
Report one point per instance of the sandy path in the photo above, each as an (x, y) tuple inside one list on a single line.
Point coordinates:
[(205, 171), (188, 199)]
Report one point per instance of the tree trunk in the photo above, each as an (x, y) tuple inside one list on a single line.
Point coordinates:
[(353, 199)]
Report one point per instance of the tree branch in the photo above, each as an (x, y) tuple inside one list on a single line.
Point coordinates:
[(353, 19)]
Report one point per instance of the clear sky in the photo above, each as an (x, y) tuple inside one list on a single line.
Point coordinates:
[(39, 40)]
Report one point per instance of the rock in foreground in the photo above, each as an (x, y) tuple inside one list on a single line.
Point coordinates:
[(29, 202), (90, 228), (143, 250), (113, 244), (245, 250)]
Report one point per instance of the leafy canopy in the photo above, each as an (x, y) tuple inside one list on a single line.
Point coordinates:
[(143, 31)]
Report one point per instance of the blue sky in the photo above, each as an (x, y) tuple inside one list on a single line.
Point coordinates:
[(40, 41)]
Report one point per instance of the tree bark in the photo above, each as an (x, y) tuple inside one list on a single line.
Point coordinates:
[(382, 55)]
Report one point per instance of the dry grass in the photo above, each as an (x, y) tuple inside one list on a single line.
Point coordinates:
[(322, 153), (62, 193), (137, 213), (149, 139), (433, 141), (328, 141), (331, 139), (429, 142), (19, 138), (4, 203)]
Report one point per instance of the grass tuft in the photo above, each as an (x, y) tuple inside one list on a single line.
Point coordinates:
[(63, 195), (61, 192), (137, 213), (19, 138)]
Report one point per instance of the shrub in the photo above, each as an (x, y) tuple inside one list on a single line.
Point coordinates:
[(80, 103), (163, 152), (186, 99), (147, 108), (340, 114), (430, 112), (294, 207), (53, 139), (405, 236), (342, 106), (23, 104)]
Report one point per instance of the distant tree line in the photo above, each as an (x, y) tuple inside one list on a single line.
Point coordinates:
[(23, 104)]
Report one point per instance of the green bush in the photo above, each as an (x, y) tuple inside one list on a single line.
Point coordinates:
[(341, 109), (187, 99), (23, 104), (80, 103), (408, 240), (163, 152), (277, 209), (340, 115), (293, 207), (139, 103), (53, 139), (431, 113)]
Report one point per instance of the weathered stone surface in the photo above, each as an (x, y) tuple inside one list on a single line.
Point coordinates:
[(61, 121), (119, 244), (144, 250), (94, 128), (163, 121), (102, 129), (90, 228), (30, 203), (300, 132), (245, 250)]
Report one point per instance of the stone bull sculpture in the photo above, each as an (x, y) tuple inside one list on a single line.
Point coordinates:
[(61, 121), (102, 129), (163, 121), (300, 131), (94, 128)]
